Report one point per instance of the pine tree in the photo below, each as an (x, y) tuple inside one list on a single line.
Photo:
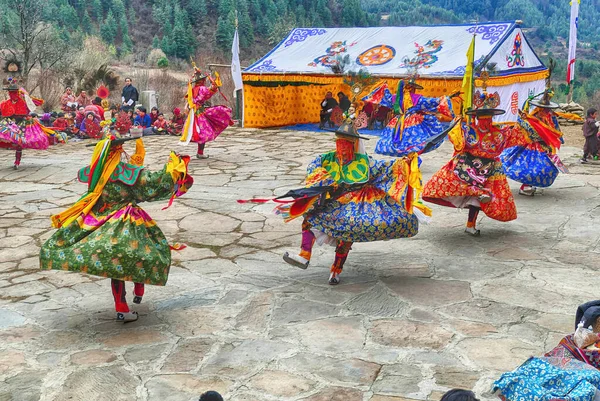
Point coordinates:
[(225, 7), (86, 23), (225, 31), (118, 8), (197, 11), (108, 29), (97, 10), (68, 16), (246, 30), (155, 42)]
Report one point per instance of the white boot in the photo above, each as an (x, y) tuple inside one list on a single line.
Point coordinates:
[(485, 198), (334, 279), (472, 231), (527, 190), (127, 317), (296, 260)]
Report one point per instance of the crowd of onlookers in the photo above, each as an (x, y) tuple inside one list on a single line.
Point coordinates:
[(84, 117), (377, 115)]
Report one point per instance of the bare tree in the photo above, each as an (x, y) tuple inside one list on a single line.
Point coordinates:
[(25, 36)]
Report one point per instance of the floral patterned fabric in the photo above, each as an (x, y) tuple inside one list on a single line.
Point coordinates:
[(531, 164), (546, 379), (117, 239), (209, 121), (445, 186), (420, 124), (23, 134), (373, 212)]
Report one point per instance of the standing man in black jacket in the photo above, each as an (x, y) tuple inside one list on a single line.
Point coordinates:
[(129, 96)]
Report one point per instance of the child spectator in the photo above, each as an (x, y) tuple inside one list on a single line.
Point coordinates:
[(590, 132), (160, 125), (131, 116), (90, 127), (154, 114), (61, 124), (177, 122)]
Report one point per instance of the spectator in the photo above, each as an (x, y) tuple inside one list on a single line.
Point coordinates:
[(160, 125), (211, 396), (154, 114), (177, 122), (129, 95), (344, 101), (459, 395), (90, 127), (143, 120), (100, 110), (61, 124), (83, 99), (131, 116), (590, 132), (327, 106), (67, 100), (79, 116)]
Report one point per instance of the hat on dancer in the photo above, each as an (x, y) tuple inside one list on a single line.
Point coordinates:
[(198, 74), (11, 67), (485, 104), (348, 130), (545, 101), (412, 79)]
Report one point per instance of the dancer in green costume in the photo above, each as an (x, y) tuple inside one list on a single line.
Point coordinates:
[(106, 233)]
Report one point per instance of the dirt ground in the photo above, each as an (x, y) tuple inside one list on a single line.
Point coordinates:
[(573, 135)]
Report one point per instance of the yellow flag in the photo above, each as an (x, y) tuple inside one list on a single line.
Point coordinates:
[(467, 85)]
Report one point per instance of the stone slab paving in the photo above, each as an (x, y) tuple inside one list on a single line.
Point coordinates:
[(411, 318)]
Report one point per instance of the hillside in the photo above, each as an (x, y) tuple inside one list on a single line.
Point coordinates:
[(204, 28)]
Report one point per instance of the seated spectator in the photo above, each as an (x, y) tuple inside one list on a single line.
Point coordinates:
[(154, 114), (177, 122), (327, 106), (459, 395), (67, 100), (161, 125), (143, 120), (83, 99), (211, 396), (97, 102), (131, 116), (80, 115), (46, 120), (380, 117), (90, 127), (344, 102), (61, 124)]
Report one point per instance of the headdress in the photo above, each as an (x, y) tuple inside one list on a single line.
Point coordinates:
[(546, 96), (485, 104), (412, 65), (198, 74), (13, 68), (348, 130)]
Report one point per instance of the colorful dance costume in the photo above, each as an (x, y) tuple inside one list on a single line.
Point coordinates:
[(18, 129), (537, 164), (350, 197), (204, 124), (474, 177), (106, 233), (416, 123)]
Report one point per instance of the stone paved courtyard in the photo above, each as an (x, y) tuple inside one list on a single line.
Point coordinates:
[(411, 318)]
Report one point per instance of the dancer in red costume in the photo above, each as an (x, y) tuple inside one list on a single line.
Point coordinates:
[(18, 128)]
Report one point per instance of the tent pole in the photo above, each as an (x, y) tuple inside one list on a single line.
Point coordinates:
[(570, 95)]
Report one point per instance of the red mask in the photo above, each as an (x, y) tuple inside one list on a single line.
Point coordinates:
[(484, 122), (13, 95), (345, 150)]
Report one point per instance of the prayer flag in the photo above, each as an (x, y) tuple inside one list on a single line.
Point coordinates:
[(236, 68), (467, 85), (573, 40)]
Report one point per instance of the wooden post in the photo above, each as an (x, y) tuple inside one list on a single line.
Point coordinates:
[(570, 95)]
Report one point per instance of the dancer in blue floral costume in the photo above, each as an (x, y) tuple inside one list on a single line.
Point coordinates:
[(350, 197), (416, 123)]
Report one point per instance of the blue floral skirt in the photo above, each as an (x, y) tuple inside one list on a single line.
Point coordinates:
[(413, 139), (529, 166)]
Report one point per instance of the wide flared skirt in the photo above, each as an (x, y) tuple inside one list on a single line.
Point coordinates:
[(211, 123), (125, 244), (22, 136), (363, 216), (529, 166), (445, 187), (419, 129)]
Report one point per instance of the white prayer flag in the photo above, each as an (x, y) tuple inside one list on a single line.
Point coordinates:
[(236, 68), (573, 40)]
